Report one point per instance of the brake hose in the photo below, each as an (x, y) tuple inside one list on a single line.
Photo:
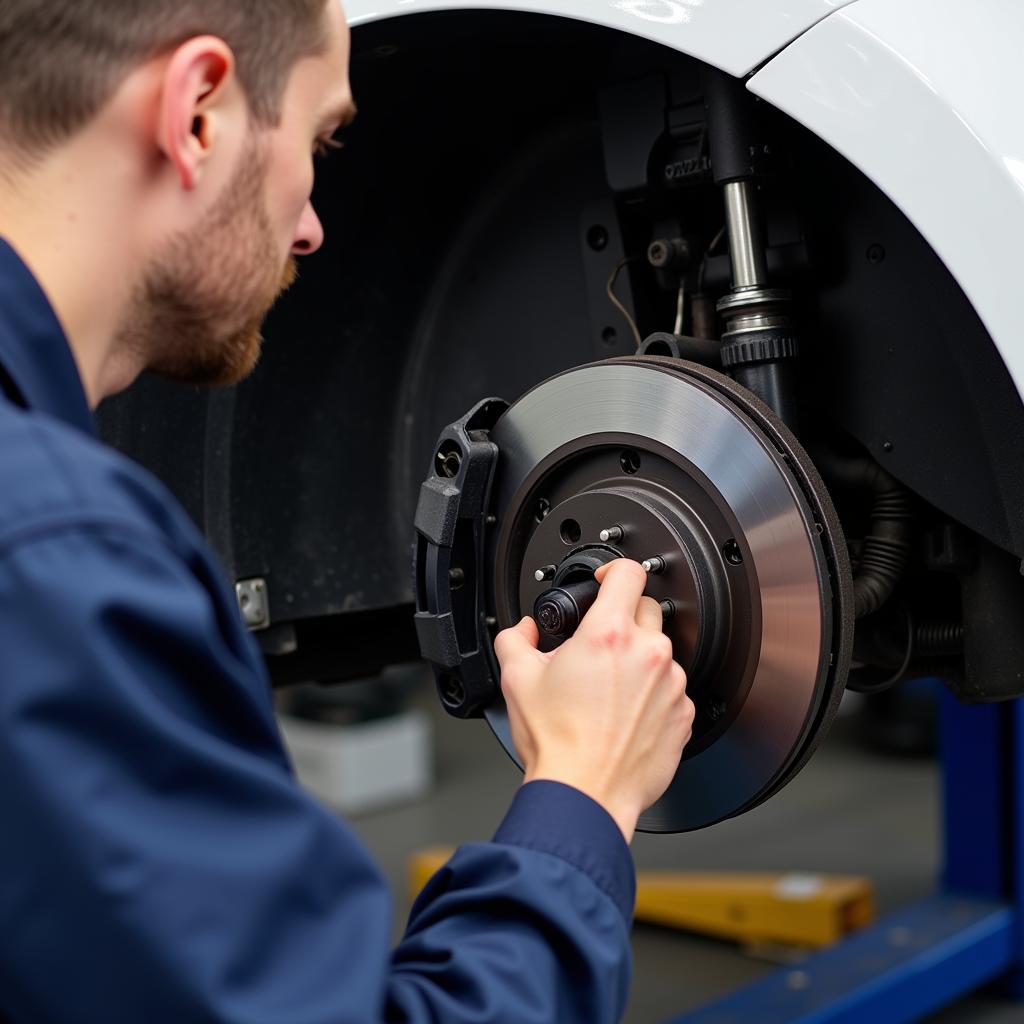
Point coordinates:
[(887, 544)]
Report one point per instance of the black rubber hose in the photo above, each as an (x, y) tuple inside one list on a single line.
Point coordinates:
[(678, 346), (887, 546), (939, 639)]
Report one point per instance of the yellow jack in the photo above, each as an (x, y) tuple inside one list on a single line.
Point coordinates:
[(804, 910)]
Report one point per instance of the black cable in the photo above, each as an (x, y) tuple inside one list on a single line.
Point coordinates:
[(886, 548)]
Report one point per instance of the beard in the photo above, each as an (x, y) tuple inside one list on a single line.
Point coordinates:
[(198, 313)]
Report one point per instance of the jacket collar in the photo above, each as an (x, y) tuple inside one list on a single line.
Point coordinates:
[(34, 351)]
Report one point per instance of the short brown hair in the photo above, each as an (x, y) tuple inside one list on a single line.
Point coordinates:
[(62, 60)]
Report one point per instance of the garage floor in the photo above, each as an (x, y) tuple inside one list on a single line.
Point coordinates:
[(849, 812)]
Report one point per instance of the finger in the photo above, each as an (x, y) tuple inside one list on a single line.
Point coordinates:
[(513, 643), (649, 614), (622, 585), (679, 676)]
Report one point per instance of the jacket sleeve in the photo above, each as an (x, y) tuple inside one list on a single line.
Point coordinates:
[(160, 863)]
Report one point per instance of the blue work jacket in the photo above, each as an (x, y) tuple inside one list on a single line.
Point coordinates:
[(158, 861)]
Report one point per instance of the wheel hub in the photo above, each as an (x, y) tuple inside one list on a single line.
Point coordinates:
[(651, 522)]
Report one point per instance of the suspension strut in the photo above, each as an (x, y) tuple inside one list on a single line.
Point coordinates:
[(759, 344)]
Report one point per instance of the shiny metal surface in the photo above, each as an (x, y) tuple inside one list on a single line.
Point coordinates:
[(754, 309), (738, 768), (746, 245)]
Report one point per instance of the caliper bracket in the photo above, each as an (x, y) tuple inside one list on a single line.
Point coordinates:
[(451, 526)]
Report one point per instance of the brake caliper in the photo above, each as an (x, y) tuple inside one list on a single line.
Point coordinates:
[(452, 523)]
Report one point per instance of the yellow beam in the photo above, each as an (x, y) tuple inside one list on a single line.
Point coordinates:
[(785, 909), (789, 909)]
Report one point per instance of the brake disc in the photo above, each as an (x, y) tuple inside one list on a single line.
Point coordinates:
[(670, 463)]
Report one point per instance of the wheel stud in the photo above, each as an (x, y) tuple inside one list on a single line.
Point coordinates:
[(655, 565), (547, 572), (612, 533)]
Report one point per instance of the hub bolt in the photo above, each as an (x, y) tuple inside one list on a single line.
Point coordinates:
[(655, 565), (668, 609), (612, 533), (547, 572)]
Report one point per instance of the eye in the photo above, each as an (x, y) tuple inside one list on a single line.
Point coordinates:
[(324, 147)]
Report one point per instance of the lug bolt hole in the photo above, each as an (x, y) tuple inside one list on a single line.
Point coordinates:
[(630, 462), (570, 531), (731, 552), (543, 508), (449, 460)]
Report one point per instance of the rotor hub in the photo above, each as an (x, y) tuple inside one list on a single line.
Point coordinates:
[(644, 508)]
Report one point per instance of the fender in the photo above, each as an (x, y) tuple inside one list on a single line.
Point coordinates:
[(923, 96), (734, 35)]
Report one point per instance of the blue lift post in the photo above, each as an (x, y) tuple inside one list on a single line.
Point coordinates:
[(970, 933)]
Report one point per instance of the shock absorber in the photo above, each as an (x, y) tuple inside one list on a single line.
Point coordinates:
[(759, 344)]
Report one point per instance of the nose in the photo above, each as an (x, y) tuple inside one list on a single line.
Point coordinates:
[(309, 234)]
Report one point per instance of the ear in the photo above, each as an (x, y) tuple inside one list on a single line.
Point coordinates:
[(197, 86)]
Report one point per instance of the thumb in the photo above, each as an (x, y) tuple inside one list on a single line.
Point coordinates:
[(513, 643)]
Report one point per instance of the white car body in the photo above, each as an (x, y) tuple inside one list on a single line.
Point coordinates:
[(917, 94), (734, 35)]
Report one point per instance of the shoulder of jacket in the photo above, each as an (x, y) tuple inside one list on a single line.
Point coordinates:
[(52, 473)]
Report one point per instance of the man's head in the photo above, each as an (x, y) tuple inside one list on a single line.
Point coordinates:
[(193, 123)]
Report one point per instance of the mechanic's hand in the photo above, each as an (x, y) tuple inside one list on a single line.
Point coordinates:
[(607, 712)]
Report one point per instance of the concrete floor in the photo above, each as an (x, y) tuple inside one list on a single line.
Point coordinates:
[(849, 812)]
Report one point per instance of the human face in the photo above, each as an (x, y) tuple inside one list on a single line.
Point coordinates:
[(317, 103), (197, 316)]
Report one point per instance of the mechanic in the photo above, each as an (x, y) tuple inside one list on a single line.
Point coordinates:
[(159, 861)]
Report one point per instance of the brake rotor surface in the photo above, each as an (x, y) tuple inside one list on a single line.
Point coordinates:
[(678, 463)]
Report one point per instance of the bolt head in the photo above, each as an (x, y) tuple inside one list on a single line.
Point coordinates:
[(549, 615), (657, 254)]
